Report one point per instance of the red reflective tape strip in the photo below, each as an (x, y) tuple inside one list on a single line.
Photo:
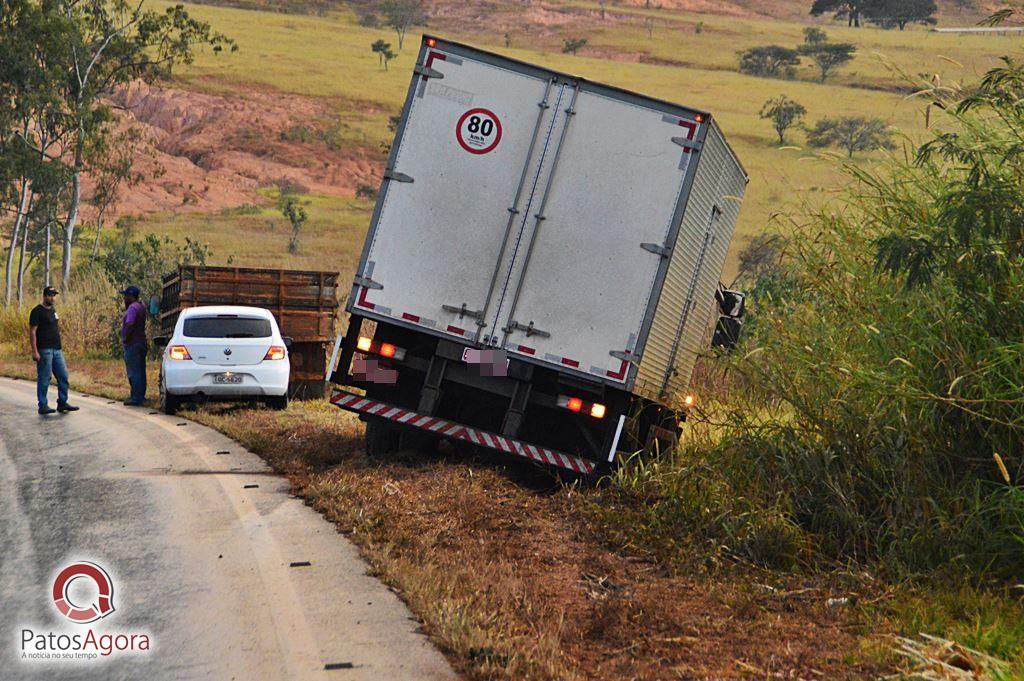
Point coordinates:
[(411, 317), (455, 329), (454, 430), (621, 373), (570, 362), (362, 299), (527, 350)]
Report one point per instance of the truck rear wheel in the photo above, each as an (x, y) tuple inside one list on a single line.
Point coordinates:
[(382, 438)]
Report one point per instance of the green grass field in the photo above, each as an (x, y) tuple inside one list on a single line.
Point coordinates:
[(329, 57)]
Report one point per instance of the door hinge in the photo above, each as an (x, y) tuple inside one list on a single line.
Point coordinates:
[(657, 249), (427, 72), (463, 311), (686, 143), (626, 356), (366, 282), (529, 329), (392, 174)]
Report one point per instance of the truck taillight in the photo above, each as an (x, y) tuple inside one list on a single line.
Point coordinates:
[(276, 352), (578, 405), (689, 400), (178, 352), (388, 350)]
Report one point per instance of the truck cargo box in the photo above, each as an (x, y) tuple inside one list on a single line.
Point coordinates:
[(575, 225)]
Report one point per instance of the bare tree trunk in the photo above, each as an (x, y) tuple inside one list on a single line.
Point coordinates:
[(69, 227), (18, 220), (76, 199), (99, 231), (21, 265), (46, 263)]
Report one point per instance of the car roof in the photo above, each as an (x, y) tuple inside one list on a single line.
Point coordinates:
[(213, 310)]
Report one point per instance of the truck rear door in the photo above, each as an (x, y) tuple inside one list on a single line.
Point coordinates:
[(580, 297), (458, 180)]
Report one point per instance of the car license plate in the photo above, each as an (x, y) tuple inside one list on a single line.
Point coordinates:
[(227, 378)]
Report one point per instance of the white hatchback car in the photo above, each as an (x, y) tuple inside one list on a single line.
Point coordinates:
[(224, 353)]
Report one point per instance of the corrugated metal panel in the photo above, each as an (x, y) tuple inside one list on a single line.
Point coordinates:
[(697, 262)]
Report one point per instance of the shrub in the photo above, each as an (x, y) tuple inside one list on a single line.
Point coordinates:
[(877, 415), (769, 61)]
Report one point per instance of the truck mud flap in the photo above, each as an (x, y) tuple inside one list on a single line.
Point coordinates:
[(358, 403)]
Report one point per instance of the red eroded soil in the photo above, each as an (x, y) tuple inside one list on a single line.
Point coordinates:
[(203, 153)]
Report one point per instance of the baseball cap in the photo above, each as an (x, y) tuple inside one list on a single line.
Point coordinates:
[(131, 291), (50, 291)]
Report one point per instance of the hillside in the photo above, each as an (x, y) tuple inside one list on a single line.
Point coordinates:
[(305, 102)]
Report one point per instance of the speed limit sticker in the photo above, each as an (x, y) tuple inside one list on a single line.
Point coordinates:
[(478, 131)]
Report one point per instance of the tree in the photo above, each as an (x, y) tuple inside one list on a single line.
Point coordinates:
[(383, 50), (83, 49), (573, 45), (892, 13), (828, 56), (769, 60), (852, 133), (291, 207), (851, 10), (784, 113), (814, 36), (111, 165), (401, 15)]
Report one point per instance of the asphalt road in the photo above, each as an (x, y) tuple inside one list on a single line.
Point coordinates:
[(200, 560)]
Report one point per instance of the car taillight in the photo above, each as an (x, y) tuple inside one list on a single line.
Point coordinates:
[(178, 352), (276, 352), (576, 404), (370, 346)]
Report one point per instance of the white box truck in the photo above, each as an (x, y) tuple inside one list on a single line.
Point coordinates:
[(541, 267)]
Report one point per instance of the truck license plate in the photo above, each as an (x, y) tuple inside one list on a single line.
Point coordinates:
[(227, 378), (491, 362)]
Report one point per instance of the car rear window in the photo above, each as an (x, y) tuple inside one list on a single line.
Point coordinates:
[(227, 327)]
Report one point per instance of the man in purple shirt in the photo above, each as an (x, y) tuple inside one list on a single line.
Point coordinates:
[(133, 336)]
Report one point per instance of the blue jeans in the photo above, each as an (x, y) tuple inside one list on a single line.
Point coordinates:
[(135, 366), (51, 363)]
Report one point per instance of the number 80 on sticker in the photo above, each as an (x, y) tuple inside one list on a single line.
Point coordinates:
[(478, 131)]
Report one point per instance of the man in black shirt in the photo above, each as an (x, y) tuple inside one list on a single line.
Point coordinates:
[(44, 334)]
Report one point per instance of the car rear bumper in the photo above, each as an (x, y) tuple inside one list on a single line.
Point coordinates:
[(257, 381), (405, 417)]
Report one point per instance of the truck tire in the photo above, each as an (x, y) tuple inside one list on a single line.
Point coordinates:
[(421, 441), (382, 438)]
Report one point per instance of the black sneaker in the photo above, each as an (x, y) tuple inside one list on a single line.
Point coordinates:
[(47, 410), (65, 407)]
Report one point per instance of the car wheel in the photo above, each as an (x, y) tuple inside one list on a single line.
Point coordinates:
[(168, 403), (382, 438), (278, 402)]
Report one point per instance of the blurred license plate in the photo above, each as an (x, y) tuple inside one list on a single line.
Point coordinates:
[(227, 378)]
